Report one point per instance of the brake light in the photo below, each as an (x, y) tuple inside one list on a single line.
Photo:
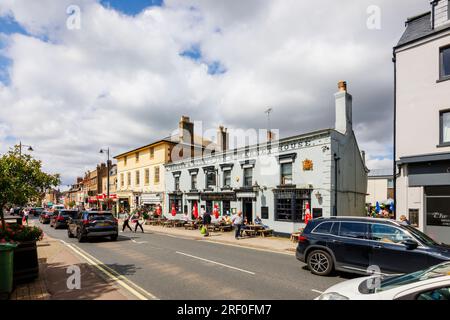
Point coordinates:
[(60, 219), (85, 222), (302, 238)]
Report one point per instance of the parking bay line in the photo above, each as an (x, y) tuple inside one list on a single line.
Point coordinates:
[(112, 274), (214, 262)]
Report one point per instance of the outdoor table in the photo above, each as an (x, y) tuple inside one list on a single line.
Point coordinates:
[(191, 225), (18, 219), (225, 227), (167, 224)]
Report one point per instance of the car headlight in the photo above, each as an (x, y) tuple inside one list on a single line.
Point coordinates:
[(332, 296)]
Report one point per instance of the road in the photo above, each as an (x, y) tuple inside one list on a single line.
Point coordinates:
[(170, 268)]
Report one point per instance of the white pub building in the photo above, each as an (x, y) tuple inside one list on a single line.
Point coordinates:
[(276, 179)]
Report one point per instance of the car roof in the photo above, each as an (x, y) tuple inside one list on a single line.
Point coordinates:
[(359, 219)]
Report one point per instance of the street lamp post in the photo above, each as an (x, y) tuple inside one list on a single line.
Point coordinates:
[(107, 167), (24, 145)]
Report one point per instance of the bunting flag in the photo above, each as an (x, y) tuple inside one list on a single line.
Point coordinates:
[(216, 211), (174, 210), (307, 214), (195, 210)]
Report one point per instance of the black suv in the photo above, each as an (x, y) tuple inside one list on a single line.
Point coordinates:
[(354, 244), (89, 224), (61, 218)]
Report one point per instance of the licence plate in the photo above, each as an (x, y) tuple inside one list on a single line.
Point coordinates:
[(102, 224)]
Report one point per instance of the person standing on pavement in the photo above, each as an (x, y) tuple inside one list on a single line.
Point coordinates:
[(126, 220), (206, 222), (237, 222), (139, 220)]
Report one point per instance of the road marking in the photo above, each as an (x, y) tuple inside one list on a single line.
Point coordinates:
[(112, 274), (316, 291), (251, 248), (214, 262), (134, 241)]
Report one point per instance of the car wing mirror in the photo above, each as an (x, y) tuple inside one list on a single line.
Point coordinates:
[(410, 244)]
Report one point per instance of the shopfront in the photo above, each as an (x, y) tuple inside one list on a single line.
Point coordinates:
[(221, 200), (152, 200)]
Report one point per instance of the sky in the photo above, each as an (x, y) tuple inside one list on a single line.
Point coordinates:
[(120, 74)]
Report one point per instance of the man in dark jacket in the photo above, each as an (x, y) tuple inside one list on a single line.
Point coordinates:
[(206, 222)]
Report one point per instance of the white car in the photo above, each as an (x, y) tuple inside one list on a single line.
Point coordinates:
[(429, 284)]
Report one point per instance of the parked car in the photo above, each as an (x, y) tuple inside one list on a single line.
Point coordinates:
[(90, 224), (354, 244), (60, 218), (17, 211), (429, 284), (36, 211), (56, 207), (45, 217)]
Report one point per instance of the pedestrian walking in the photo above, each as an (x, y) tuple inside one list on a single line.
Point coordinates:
[(206, 222), (139, 221), (237, 222), (25, 216), (126, 220)]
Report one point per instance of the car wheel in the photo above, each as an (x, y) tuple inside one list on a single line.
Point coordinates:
[(69, 234), (114, 238), (320, 263), (80, 236)]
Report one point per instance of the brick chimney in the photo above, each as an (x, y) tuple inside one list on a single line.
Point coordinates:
[(271, 136), (343, 109), (222, 139)]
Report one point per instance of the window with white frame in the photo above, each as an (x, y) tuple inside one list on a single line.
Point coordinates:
[(445, 127)]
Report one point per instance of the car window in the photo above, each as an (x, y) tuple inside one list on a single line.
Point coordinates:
[(435, 294), (421, 236), (100, 216), (324, 228), (335, 228), (71, 214), (388, 234), (391, 282), (354, 230)]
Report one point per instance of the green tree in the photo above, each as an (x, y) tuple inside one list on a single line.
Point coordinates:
[(22, 180)]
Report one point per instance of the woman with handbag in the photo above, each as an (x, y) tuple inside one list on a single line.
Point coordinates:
[(139, 221)]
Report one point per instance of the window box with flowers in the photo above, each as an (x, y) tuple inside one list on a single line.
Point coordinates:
[(26, 265)]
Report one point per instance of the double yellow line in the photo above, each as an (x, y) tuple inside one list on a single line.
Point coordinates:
[(125, 283)]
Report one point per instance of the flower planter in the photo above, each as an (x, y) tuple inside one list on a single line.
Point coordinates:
[(26, 264)]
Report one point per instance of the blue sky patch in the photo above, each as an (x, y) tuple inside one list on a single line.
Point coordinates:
[(4, 75), (194, 53), (131, 7), (9, 26), (216, 67)]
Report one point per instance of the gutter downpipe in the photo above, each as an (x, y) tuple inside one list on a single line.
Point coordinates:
[(394, 60)]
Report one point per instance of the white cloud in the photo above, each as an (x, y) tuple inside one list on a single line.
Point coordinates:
[(120, 81)]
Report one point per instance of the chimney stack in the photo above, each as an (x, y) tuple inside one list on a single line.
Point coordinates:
[(222, 139), (343, 109), (186, 128), (270, 136)]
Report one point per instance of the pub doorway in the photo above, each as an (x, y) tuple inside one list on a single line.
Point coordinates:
[(247, 210)]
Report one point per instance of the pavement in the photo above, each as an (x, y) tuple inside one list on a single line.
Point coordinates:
[(54, 261), (277, 244), (178, 264)]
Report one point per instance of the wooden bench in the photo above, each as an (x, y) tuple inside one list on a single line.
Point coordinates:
[(294, 236), (226, 228), (248, 232), (265, 232)]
